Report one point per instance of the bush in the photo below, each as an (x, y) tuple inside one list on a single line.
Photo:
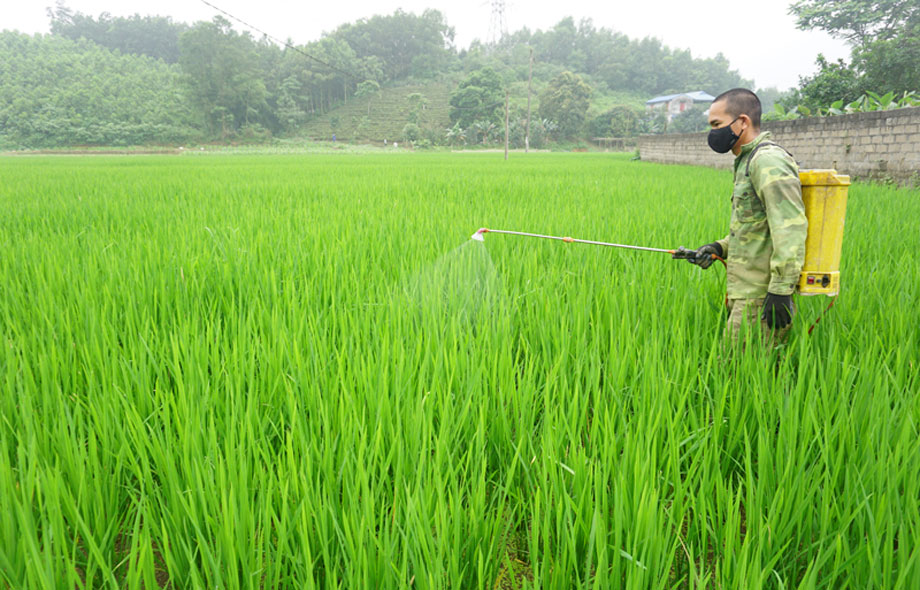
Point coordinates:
[(411, 132), (620, 121), (692, 120)]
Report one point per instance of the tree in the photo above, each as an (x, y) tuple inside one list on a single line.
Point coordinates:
[(692, 120), (153, 36), (322, 85), (233, 80), (289, 113), (418, 104), (890, 65), (368, 88), (620, 121), (58, 92), (637, 65), (406, 44), (885, 35), (411, 132), (653, 122), (455, 135), (484, 130), (858, 21), (480, 97), (565, 101), (833, 81), (223, 76), (560, 45), (770, 96)]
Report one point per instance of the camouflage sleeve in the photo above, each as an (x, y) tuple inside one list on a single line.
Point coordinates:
[(724, 243), (775, 178)]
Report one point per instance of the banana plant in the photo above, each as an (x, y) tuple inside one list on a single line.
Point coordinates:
[(780, 113), (869, 102)]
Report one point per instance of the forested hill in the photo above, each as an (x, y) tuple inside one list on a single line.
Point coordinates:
[(59, 92), (146, 79)]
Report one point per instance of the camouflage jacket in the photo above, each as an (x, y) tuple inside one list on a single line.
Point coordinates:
[(765, 247)]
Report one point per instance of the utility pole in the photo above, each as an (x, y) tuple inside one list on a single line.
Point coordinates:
[(507, 99), (529, 83)]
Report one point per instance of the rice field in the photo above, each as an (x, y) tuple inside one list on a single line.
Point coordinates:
[(298, 371)]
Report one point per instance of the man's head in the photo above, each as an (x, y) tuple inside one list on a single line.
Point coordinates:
[(739, 110)]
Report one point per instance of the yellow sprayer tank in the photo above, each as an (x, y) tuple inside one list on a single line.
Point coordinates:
[(825, 195)]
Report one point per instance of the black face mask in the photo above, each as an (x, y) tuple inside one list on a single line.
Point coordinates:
[(723, 139)]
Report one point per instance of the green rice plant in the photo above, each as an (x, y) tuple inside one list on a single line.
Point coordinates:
[(296, 371)]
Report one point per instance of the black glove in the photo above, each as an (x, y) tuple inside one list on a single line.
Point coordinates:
[(777, 311), (704, 254)]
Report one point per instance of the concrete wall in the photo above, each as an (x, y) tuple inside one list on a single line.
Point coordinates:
[(882, 145)]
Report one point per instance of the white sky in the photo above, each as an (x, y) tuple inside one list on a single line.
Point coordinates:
[(758, 38)]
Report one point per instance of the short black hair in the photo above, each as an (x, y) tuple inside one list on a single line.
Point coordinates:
[(741, 101)]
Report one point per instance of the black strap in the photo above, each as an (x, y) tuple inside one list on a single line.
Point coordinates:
[(747, 169)]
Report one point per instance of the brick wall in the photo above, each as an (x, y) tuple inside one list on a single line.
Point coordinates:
[(881, 145)]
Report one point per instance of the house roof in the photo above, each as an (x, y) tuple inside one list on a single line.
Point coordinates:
[(696, 96)]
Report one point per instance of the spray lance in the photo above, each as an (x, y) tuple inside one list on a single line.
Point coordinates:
[(680, 254)]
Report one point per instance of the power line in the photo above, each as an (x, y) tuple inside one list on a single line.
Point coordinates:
[(277, 40)]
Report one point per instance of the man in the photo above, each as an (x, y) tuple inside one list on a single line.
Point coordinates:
[(765, 248)]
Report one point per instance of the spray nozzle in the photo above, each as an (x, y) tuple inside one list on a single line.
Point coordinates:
[(478, 236)]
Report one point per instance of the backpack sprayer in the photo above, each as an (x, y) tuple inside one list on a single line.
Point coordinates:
[(824, 194)]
